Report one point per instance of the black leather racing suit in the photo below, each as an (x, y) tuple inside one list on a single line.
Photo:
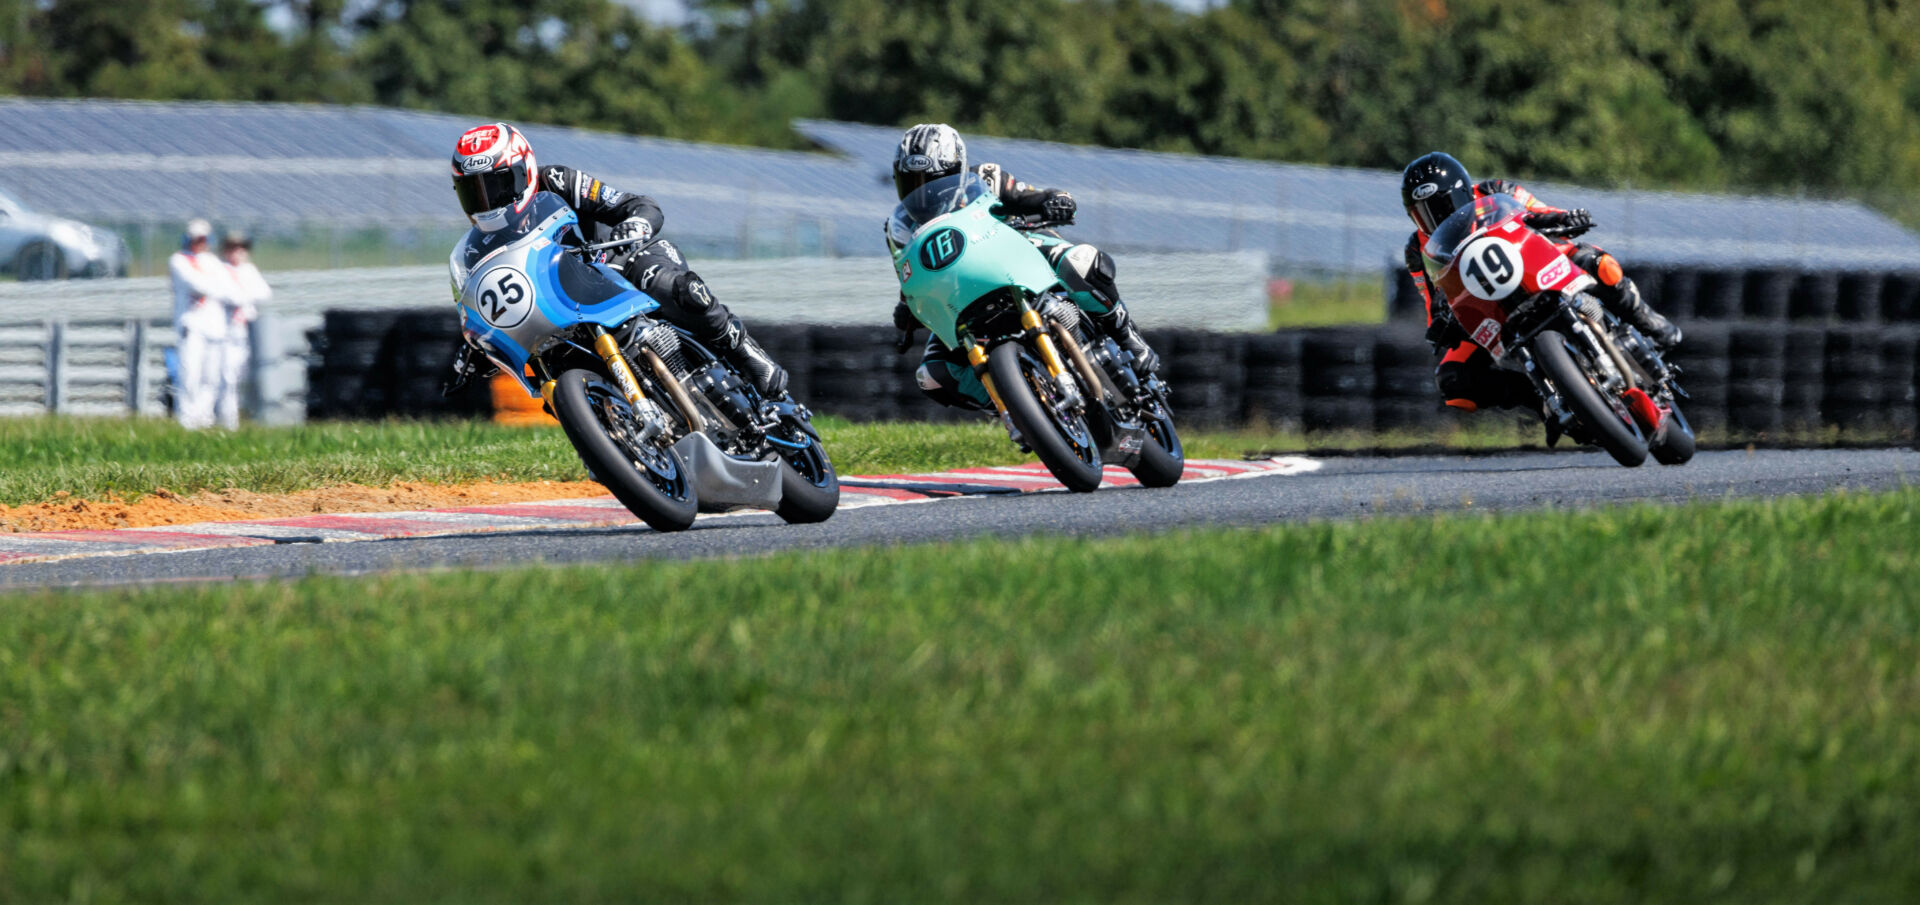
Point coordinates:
[(1086, 272), (655, 267)]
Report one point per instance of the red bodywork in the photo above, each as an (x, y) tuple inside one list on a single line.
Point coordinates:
[(1485, 256)]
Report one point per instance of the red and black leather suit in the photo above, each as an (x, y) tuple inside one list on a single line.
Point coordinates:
[(1466, 376)]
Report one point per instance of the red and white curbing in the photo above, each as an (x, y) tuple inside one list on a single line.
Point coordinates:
[(855, 493)]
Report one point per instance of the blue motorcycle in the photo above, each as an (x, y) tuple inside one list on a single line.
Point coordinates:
[(669, 427)]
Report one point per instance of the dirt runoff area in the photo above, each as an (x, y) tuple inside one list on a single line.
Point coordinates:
[(163, 507)]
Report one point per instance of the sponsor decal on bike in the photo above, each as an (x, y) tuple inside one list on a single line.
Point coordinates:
[(1552, 274), (906, 271), (1487, 336), (942, 249)]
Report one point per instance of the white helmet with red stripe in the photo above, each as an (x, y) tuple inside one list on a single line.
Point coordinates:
[(494, 174)]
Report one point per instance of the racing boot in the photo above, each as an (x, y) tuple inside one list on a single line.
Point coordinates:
[(750, 360), (1119, 325), (1623, 299)]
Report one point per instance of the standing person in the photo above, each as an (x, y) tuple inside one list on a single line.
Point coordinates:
[(250, 289), (200, 289)]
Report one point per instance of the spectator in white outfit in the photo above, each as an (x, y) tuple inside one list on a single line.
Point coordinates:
[(243, 308), (201, 287)]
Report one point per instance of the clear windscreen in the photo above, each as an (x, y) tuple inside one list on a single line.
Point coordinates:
[(479, 243), (934, 200), (1454, 231)]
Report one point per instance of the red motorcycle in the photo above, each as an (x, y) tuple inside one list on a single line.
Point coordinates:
[(1514, 291)]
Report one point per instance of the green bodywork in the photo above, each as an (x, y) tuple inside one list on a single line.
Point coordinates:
[(939, 278)]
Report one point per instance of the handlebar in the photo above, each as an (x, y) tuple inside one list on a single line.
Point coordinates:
[(617, 242), (1032, 223), (1563, 232)]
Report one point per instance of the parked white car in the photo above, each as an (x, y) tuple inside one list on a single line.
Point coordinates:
[(36, 246)]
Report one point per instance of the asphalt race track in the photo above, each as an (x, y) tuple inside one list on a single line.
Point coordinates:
[(1339, 488)]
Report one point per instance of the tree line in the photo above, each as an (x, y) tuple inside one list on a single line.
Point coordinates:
[(1700, 94)]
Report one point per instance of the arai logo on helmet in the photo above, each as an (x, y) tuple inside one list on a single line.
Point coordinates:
[(1425, 190), (917, 163), (477, 163)]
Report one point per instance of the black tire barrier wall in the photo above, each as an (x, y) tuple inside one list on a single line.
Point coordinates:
[(1746, 379), (1759, 294)]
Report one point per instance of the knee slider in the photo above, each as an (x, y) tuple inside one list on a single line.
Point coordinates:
[(929, 383)]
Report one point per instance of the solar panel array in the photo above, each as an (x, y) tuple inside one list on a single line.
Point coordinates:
[(1348, 219), (130, 161)]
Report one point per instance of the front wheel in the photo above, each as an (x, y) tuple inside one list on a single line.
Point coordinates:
[(1061, 438), (649, 479), (1611, 427), (809, 488)]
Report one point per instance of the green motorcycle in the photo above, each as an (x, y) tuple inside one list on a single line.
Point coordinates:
[(1067, 392)]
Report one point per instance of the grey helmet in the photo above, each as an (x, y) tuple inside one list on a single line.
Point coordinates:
[(927, 152)]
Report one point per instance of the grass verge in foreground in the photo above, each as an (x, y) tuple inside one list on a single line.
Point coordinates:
[(92, 457), (1718, 702)]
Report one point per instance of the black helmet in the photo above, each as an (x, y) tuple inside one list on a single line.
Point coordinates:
[(1434, 186), (927, 152)]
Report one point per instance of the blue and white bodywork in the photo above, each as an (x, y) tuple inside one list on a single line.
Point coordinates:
[(519, 288)]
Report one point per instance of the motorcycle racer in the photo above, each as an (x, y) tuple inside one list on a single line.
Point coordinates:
[(1434, 186), (933, 151), (495, 177)]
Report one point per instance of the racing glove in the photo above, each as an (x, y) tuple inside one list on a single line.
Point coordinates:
[(1562, 223), (1059, 207), (637, 229), (468, 363), (1443, 331), (907, 324)]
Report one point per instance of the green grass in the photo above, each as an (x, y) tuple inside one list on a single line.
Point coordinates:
[(91, 457), (131, 457), (1328, 303), (1713, 703)]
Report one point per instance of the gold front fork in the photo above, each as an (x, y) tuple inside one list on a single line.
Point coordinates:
[(977, 356), (617, 363), (1030, 319)]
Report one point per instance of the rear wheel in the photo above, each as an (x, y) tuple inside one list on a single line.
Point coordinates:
[(649, 479), (1062, 439), (1609, 426), (1162, 459), (809, 489), (1677, 443)]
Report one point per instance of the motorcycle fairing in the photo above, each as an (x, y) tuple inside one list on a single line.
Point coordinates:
[(940, 282), (529, 257), (1488, 262)]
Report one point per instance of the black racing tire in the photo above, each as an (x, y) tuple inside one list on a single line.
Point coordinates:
[(661, 493), (40, 261), (1163, 459), (1605, 427), (1677, 447), (809, 487), (1064, 444)]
